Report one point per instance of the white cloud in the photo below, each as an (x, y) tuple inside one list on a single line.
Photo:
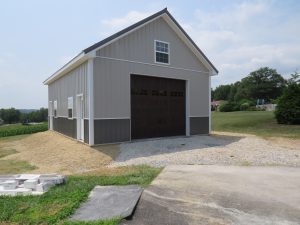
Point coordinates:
[(246, 36)]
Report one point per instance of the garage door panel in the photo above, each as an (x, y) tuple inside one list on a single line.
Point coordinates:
[(157, 107)]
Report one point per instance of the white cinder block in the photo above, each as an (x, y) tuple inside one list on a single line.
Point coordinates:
[(30, 184), (9, 184), (43, 187), (18, 191)]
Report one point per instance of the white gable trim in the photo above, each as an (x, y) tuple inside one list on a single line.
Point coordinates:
[(190, 45), (82, 57)]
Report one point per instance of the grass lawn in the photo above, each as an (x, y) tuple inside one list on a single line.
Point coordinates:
[(260, 123), (56, 205)]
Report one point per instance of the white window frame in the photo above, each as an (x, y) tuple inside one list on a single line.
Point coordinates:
[(162, 52), (55, 109), (70, 107)]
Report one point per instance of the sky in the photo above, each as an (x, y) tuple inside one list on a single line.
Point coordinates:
[(38, 37)]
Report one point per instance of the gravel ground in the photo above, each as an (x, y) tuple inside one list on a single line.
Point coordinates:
[(208, 150)]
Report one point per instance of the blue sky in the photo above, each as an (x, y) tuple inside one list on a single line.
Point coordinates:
[(37, 37)]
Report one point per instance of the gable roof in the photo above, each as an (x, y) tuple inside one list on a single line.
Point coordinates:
[(82, 56)]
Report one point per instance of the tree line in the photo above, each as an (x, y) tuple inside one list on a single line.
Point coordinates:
[(264, 85), (13, 115)]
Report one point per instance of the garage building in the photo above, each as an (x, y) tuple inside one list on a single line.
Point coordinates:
[(148, 80)]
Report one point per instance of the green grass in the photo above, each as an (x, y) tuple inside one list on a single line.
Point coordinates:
[(13, 166), (18, 129), (260, 123), (56, 205), (6, 152)]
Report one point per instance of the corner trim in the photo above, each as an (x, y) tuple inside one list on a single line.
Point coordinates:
[(90, 72), (209, 104)]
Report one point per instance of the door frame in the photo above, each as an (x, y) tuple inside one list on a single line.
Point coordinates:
[(80, 117), (50, 112), (187, 99)]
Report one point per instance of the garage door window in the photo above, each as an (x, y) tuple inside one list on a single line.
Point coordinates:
[(162, 50)]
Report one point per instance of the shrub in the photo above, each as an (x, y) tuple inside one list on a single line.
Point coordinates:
[(250, 102), (229, 107), (245, 106), (12, 130), (288, 107)]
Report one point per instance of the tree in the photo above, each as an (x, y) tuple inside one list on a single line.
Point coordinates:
[(264, 83), (10, 115), (222, 92), (295, 78), (35, 116), (233, 91), (288, 107)]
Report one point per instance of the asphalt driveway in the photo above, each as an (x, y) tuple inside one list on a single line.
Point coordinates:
[(219, 195)]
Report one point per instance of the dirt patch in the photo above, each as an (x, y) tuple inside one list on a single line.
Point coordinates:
[(285, 142), (52, 152)]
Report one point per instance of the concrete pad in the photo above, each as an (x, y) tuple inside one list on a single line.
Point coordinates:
[(106, 202), (219, 195)]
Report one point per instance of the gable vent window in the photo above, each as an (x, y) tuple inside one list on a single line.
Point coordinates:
[(55, 108), (70, 107), (162, 50)]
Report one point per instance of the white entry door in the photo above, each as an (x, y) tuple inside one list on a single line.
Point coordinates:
[(80, 117), (50, 112)]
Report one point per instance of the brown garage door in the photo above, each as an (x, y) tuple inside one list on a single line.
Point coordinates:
[(157, 107)]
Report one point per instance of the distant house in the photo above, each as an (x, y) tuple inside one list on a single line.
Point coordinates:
[(1, 121), (148, 80), (215, 104)]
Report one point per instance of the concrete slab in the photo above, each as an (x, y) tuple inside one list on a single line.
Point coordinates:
[(106, 202), (218, 195)]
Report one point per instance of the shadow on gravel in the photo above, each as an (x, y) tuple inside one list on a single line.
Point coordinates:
[(151, 147)]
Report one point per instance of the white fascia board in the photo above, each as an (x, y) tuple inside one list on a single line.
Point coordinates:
[(76, 61), (183, 37)]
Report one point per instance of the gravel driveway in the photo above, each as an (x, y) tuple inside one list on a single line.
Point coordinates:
[(207, 150)]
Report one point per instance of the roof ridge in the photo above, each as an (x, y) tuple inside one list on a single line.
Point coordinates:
[(125, 30)]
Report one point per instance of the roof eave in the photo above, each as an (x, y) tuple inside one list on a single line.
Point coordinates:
[(77, 60)]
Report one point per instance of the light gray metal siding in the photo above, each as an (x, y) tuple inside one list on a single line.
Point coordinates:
[(112, 77), (75, 82), (139, 46), (112, 87)]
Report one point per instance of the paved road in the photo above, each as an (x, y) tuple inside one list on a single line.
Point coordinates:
[(219, 195)]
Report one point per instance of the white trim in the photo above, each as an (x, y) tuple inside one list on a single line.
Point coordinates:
[(198, 116), (127, 33), (72, 117), (90, 75), (151, 64), (189, 44), (80, 110), (168, 53), (77, 60), (209, 104), (114, 118), (55, 107), (187, 108), (50, 114)]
